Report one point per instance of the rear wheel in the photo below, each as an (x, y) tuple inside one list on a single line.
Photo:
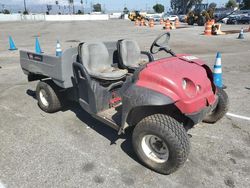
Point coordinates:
[(221, 108), (161, 143), (48, 96)]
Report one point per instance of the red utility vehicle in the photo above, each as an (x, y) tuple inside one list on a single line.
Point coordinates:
[(161, 99)]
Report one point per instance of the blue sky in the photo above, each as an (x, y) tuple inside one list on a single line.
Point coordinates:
[(109, 4)]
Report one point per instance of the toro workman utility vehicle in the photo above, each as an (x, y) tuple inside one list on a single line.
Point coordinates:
[(114, 83)]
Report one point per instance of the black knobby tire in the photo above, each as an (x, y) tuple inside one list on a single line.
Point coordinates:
[(221, 108), (172, 134), (190, 21), (201, 21), (52, 95)]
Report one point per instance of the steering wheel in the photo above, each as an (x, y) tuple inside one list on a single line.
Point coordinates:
[(161, 43)]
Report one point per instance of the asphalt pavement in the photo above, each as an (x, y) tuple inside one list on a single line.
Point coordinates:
[(71, 149)]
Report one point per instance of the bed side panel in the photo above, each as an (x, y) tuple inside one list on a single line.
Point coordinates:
[(41, 64)]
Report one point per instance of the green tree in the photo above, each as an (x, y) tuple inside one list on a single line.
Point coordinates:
[(25, 12), (125, 10), (97, 7), (183, 6), (49, 8), (212, 5), (6, 11), (247, 4), (231, 4), (79, 12), (158, 8)]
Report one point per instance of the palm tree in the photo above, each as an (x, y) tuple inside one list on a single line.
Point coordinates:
[(82, 6), (25, 8)]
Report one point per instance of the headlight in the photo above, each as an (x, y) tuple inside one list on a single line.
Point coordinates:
[(184, 84), (189, 87), (198, 88)]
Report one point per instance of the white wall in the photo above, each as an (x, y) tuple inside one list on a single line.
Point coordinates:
[(43, 17), (10, 17), (76, 17), (33, 17), (115, 15), (126, 17)]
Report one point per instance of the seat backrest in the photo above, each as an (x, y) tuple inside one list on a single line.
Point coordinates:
[(129, 53), (95, 57), (113, 54)]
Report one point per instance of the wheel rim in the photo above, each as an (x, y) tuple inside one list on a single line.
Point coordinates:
[(43, 96), (155, 148)]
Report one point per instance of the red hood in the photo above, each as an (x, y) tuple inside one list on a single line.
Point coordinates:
[(166, 76)]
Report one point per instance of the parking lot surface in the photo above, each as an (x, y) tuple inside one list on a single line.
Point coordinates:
[(72, 149)]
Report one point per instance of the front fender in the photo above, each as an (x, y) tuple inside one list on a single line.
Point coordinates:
[(136, 96)]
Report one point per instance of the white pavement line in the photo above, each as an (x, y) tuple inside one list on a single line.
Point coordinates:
[(2, 185), (238, 116)]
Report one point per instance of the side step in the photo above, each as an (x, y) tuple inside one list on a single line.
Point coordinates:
[(111, 117)]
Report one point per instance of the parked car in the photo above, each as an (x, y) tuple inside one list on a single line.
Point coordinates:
[(218, 16), (156, 18), (233, 19), (170, 17), (182, 18), (244, 20), (224, 20)]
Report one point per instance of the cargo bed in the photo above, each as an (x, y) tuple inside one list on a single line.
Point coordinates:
[(59, 69)]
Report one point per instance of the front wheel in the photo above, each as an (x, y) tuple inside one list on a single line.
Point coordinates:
[(161, 143), (221, 108)]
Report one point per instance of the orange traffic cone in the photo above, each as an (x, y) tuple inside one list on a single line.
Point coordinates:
[(151, 23), (172, 25), (136, 22), (167, 25), (161, 21), (208, 28), (177, 23), (212, 21), (142, 22)]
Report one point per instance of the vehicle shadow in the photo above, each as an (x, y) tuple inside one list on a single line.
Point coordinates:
[(106, 131), (102, 129), (31, 93)]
